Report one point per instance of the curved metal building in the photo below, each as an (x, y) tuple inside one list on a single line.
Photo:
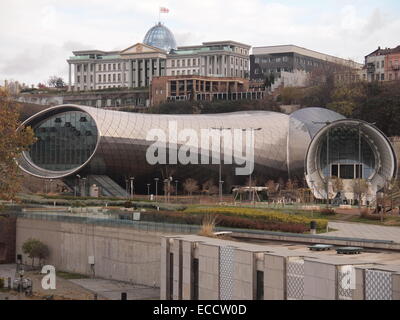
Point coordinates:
[(90, 141)]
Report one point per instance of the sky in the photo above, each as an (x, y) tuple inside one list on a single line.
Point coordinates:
[(38, 36)]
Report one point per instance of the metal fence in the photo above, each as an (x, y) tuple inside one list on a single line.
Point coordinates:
[(148, 226)]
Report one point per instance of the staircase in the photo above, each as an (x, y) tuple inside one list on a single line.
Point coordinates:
[(108, 186)]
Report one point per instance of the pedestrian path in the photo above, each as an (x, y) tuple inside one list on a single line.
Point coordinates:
[(364, 231)]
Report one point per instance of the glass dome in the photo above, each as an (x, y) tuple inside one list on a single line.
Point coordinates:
[(161, 37)]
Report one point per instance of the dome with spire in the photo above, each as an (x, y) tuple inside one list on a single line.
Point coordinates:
[(160, 37)]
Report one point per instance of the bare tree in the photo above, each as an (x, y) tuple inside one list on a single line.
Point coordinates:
[(360, 188), (190, 185), (209, 188)]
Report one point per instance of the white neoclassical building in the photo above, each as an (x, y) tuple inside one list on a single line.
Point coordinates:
[(135, 66)]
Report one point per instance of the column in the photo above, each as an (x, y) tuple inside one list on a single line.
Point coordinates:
[(215, 65), (143, 75), (130, 75), (94, 76), (69, 77), (228, 65), (158, 72), (151, 71), (137, 73), (185, 87)]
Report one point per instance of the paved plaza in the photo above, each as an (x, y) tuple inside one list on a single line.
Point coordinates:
[(364, 231)]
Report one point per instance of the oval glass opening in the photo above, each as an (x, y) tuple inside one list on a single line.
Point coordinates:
[(64, 141)]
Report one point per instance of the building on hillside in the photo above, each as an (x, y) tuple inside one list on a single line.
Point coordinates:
[(201, 88), (382, 65), (212, 59), (157, 56), (292, 59), (133, 67), (392, 64)]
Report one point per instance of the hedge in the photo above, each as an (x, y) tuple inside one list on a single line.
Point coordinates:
[(224, 221), (270, 215)]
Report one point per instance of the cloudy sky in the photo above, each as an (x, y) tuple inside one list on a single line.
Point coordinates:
[(37, 36)]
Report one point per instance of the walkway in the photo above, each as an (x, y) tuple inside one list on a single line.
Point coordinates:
[(364, 231)]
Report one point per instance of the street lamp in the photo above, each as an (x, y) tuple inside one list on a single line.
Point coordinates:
[(156, 180), (176, 189), (327, 161), (251, 189), (131, 180), (84, 186), (220, 182), (77, 186), (148, 189)]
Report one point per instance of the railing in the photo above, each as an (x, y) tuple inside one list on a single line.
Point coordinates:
[(148, 226)]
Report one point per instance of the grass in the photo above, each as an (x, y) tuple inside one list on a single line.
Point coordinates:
[(70, 275)]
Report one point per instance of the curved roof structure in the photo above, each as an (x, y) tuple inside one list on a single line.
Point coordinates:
[(161, 37), (76, 139)]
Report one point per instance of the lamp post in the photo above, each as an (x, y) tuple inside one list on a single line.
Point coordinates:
[(327, 161), (131, 180), (252, 197), (220, 182), (156, 180), (176, 190), (148, 189), (77, 186), (84, 186)]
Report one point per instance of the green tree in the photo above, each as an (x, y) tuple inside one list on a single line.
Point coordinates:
[(12, 143), (34, 248)]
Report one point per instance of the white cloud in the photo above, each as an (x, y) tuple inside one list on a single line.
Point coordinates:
[(38, 36)]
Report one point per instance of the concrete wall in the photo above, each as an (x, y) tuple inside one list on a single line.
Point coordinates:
[(208, 272), (319, 281), (274, 277), (121, 253), (244, 275), (396, 286)]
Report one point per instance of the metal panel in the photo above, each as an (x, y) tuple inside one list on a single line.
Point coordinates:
[(295, 279), (378, 285), (343, 289), (226, 259)]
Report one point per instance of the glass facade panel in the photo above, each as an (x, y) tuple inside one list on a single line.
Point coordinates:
[(64, 141), (344, 154)]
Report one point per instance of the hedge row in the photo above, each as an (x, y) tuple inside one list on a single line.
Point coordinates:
[(225, 221), (271, 216)]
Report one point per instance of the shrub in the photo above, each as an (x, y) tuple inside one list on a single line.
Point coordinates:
[(327, 212), (207, 226), (365, 214), (273, 216), (224, 221)]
